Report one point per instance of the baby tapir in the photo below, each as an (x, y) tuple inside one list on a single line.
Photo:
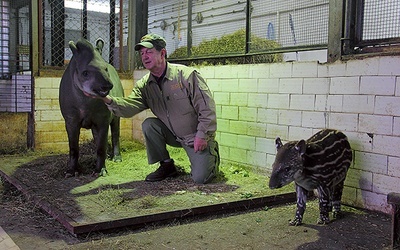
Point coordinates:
[(320, 163), (86, 77)]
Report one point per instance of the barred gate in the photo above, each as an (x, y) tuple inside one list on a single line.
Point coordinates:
[(296, 29), (371, 26), (65, 21), (192, 28), (15, 58), (297, 26)]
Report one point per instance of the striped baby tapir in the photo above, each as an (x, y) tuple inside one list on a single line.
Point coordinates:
[(319, 163)]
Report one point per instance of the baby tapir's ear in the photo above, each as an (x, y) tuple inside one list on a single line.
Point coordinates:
[(278, 143), (301, 147)]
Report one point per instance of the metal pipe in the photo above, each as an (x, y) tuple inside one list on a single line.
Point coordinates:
[(248, 26), (121, 36), (189, 29), (84, 19), (112, 32)]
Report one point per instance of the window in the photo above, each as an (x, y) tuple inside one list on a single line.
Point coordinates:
[(372, 26)]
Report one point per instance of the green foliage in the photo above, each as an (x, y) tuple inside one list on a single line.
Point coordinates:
[(239, 170), (246, 195), (231, 45)]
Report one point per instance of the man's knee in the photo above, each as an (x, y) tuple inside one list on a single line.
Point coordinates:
[(206, 168), (148, 123), (204, 175), (203, 178)]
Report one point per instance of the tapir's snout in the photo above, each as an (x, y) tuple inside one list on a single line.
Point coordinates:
[(104, 90), (273, 184), (275, 180)]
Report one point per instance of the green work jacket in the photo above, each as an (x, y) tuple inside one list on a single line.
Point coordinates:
[(183, 102)]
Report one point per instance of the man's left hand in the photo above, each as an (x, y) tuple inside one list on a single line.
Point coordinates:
[(199, 144)]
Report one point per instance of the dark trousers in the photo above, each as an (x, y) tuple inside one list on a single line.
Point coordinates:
[(204, 164)]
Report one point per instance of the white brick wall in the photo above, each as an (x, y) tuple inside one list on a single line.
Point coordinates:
[(387, 105), (363, 104), (302, 102), (314, 119), (257, 103), (294, 100), (377, 85), (291, 85), (345, 85), (316, 85), (50, 133), (377, 124), (278, 101), (257, 100)]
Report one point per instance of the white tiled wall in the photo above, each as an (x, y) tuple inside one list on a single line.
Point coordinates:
[(257, 103)]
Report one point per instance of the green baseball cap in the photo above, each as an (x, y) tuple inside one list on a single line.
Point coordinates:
[(151, 41)]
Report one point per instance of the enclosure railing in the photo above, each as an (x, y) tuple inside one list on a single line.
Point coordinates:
[(197, 31), (223, 31), (15, 57)]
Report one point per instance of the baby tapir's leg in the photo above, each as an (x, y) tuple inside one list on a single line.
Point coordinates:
[(336, 199), (325, 205), (301, 194)]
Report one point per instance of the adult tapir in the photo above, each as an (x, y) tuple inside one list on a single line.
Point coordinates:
[(88, 76)]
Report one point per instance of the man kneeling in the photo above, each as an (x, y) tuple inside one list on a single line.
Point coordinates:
[(184, 108)]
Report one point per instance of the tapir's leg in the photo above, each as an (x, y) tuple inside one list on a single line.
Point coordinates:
[(301, 194), (115, 135), (325, 205), (336, 199), (73, 131), (100, 133)]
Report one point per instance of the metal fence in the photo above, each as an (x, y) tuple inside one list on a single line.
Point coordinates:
[(70, 20), (218, 31), (222, 27), (4, 45), (372, 26), (380, 20), (15, 57)]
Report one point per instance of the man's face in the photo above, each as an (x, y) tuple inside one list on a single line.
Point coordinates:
[(152, 59)]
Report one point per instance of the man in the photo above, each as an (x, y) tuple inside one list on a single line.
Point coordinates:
[(184, 108)]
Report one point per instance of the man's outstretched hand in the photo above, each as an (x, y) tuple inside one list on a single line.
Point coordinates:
[(107, 99)]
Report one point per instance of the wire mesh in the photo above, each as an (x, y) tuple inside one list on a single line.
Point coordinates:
[(291, 23), (169, 19), (218, 27), (4, 40), (381, 19), (70, 20), (207, 28), (15, 75)]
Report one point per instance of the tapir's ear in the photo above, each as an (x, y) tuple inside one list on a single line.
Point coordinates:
[(278, 143), (301, 147), (73, 47), (99, 45)]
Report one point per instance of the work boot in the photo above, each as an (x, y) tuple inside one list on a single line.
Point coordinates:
[(166, 169)]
